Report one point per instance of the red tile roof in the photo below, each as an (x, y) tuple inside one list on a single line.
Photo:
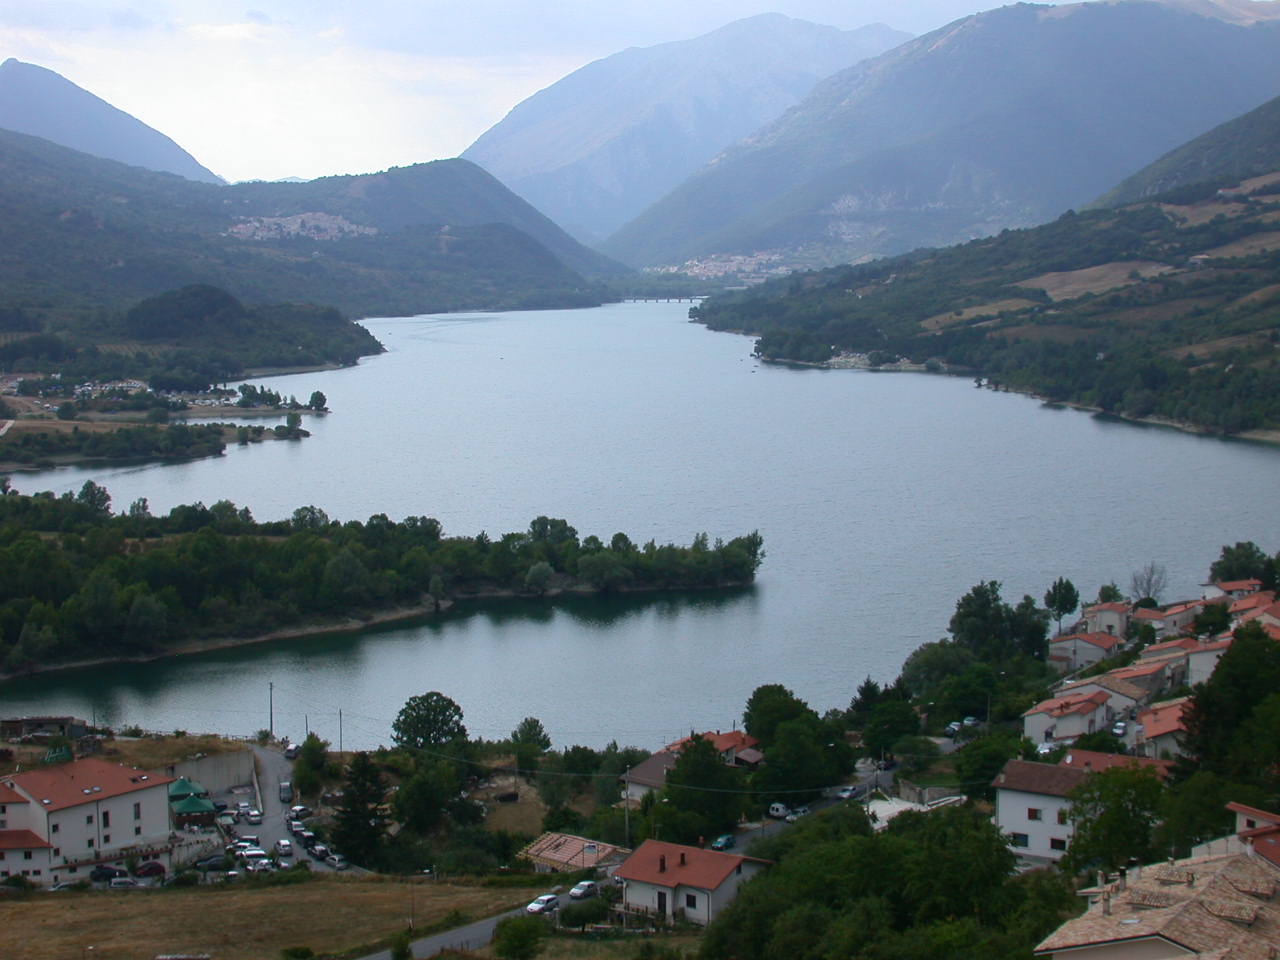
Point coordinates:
[(1116, 606), (22, 840), (1171, 646), (82, 781), (10, 795), (1255, 812), (1140, 669), (1072, 703), (1163, 718), (670, 864), (1047, 779), (1253, 601), (1095, 762), (1230, 586), (729, 740), (1107, 641)]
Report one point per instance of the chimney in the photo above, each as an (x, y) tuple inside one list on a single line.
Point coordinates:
[(1106, 903), (1102, 878), (662, 863), (682, 858), (1124, 879)]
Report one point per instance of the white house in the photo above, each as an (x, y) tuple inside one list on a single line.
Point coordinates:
[(1031, 807), (1160, 729), (1107, 618), (1067, 717), (59, 820), (665, 879), (1078, 650)]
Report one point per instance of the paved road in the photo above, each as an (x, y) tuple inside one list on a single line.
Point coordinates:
[(273, 768), (471, 937)]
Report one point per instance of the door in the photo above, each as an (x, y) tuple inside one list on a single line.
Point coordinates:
[(662, 902)]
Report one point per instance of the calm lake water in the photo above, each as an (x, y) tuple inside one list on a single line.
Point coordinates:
[(881, 498)]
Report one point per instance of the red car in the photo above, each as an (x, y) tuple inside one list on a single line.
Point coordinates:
[(152, 868)]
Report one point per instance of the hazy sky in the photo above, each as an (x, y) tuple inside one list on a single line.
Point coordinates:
[(276, 88)]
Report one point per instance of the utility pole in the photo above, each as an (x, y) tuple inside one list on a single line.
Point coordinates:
[(306, 726), (271, 709), (339, 729), (626, 805)]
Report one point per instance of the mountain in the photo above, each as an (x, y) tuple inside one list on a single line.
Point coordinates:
[(79, 233), (1244, 147), (597, 147), (1164, 310), (1001, 119), (42, 103)]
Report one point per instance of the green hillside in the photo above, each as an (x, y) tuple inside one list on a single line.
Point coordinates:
[(1247, 146), (1157, 310), (78, 234)]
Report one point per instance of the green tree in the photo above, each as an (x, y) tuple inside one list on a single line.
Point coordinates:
[(1247, 674), (1213, 618), (981, 622), (1112, 814), (428, 720), (1061, 599), (916, 753), (435, 590), (531, 731), (359, 824), (1109, 593), (770, 706), (519, 938), (538, 577), (1244, 561), (402, 946), (890, 721), (931, 664), (423, 800), (318, 401), (701, 783), (981, 759)]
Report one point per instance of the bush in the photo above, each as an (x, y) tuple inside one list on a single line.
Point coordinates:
[(579, 915), (519, 938)]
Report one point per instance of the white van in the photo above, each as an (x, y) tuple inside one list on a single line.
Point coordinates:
[(779, 811)]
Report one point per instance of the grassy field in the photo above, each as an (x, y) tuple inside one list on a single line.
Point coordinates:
[(230, 923), (566, 948), (149, 753)]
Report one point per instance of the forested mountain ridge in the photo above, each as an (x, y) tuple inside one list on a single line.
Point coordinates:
[(1247, 146), (42, 103), (598, 146), (78, 233), (1002, 119), (1167, 310)]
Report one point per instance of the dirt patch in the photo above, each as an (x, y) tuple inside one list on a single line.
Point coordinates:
[(232, 923), (1193, 215), (1203, 351), (941, 320), (1258, 297), (1099, 279), (523, 815), (1247, 246), (1257, 183)]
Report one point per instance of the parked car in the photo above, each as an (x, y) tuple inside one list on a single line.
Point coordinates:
[(299, 812), (216, 862), (724, 842), (219, 806), (307, 838), (286, 791), (254, 853), (547, 903), (243, 807), (284, 848), (850, 792), (970, 721), (291, 751), (797, 813), (337, 861), (259, 866), (779, 811), (104, 872), (149, 868), (954, 727), (319, 851), (583, 890), (254, 816), (126, 883), (1119, 728)]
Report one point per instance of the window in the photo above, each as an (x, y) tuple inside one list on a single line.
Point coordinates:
[(1056, 843), (4, 824), (53, 828), (88, 820), (690, 901), (137, 831), (26, 854), (90, 843), (106, 838), (1248, 823), (739, 869), (4, 808), (1019, 840), (57, 852), (1062, 817), (106, 818), (2, 857), (137, 811), (1033, 813)]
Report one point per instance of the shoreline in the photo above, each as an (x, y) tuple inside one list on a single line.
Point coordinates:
[(354, 624), (858, 362)]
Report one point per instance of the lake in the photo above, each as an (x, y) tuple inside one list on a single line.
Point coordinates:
[(882, 498)]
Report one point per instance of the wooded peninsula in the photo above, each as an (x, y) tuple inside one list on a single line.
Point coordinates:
[(78, 582)]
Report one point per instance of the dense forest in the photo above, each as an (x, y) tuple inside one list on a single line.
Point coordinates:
[(177, 441), (184, 339), (1166, 310), (77, 582)]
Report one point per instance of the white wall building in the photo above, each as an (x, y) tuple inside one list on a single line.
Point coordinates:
[(665, 879), (58, 821)]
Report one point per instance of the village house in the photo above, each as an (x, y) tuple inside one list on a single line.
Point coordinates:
[(37, 728), (1231, 589), (1250, 606), (1203, 660), (565, 853), (736, 747), (1032, 800), (1067, 717), (1217, 906), (665, 880), (1110, 618), (1155, 674), (1075, 651), (59, 820), (1160, 728), (648, 776)]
